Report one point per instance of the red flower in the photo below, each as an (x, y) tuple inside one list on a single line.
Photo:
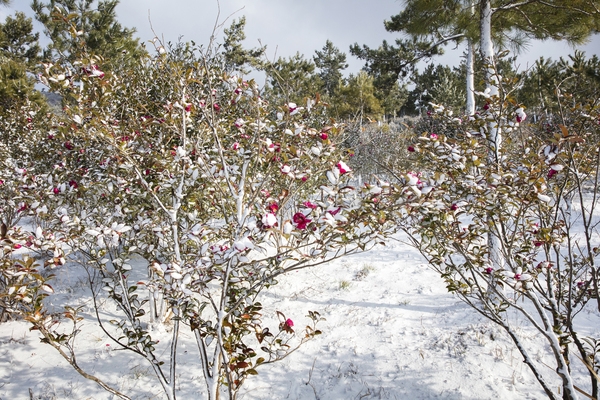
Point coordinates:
[(73, 184), (310, 205), (324, 136), (300, 220), (343, 167), (411, 149), (56, 190), (334, 212), (273, 207), (68, 145)]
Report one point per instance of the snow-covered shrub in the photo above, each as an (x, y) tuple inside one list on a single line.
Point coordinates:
[(185, 194), (538, 201)]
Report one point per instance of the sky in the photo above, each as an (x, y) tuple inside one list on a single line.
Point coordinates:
[(288, 26)]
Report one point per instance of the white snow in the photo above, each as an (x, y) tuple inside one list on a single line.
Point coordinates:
[(391, 332)]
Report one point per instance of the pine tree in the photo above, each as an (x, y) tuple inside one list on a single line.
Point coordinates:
[(18, 42), (292, 79), (357, 100), (19, 54), (75, 26), (237, 58), (330, 62)]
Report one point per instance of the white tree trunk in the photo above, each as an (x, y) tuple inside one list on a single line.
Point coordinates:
[(470, 78), (496, 257), (471, 70)]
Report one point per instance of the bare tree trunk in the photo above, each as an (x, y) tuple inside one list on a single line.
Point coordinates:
[(470, 110), (496, 257), (471, 71)]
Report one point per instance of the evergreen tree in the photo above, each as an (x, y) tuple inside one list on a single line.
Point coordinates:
[(432, 24), (76, 26), (19, 53), (331, 62), (18, 42), (544, 84), (438, 84), (292, 79), (237, 58), (357, 100)]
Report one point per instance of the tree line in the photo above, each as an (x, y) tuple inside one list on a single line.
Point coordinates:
[(390, 83)]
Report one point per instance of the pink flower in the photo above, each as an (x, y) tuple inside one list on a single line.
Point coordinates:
[(293, 108), (552, 172), (411, 149), (188, 107), (300, 220), (334, 212), (310, 205), (217, 107), (323, 136), (343, 167), (304, 178), (68, 145), (16, 246), (289, 323), (239, 123), (275, 147), (73, 184), (236, 146), (433, 136), (489, 270)]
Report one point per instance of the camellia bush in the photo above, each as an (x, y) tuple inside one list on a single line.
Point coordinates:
[(184, 194), (539, 201)]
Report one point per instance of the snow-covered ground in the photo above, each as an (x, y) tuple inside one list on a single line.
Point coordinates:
[(391, 332)]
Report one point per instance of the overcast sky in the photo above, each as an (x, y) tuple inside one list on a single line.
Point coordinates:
[(287, 26)]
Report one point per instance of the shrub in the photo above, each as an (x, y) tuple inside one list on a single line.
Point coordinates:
[(173, 161), (538, 201)]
